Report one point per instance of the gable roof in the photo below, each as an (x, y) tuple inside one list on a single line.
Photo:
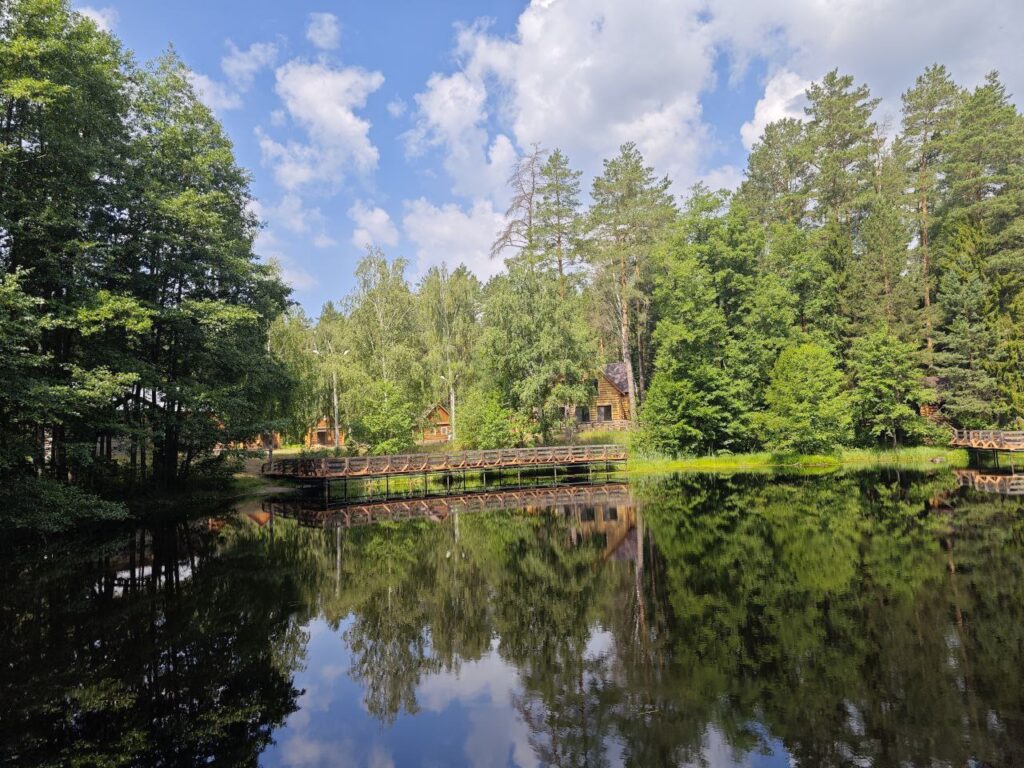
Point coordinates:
[(616, 375), (439, 408)]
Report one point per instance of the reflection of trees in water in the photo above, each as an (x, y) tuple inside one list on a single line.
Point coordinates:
[(146, 652), (861, 618), (822, 608)]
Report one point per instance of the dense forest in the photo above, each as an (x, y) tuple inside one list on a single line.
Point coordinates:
[(859, 271), (133, 311)]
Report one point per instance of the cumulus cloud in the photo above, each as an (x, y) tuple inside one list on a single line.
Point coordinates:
[(216, 95), (451, 235), (397, 107), (323, 30), (104, 18), (784, 96), (323, 100), (586, 75), (241, 67), (269, 248), (373, 226)]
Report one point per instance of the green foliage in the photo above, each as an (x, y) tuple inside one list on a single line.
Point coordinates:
[(887, 388), (486, 424), (44, 506), (535, 347), (808, 408), (386, 420)]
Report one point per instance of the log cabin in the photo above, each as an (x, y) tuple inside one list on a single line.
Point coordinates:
[(609, 406), (437, 425), (322, 435)]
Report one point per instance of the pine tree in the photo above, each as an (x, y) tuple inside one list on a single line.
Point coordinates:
[(631, 209), (970, 396), (557, 222), (775, 187), (929, 116)]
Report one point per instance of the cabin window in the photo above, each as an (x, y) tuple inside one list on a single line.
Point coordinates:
[(582, 414), (604, 413)]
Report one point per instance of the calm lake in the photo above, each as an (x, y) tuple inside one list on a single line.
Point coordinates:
[(868, 619)]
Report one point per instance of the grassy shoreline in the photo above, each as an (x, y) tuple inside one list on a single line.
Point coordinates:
[(909, 458)]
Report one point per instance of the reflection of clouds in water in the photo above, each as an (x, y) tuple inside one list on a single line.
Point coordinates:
[(497, 735), (301, 751), (489, 675), (599, 644)]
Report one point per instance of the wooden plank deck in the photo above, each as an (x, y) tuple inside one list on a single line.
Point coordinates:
[(422, 463), (988, 439)]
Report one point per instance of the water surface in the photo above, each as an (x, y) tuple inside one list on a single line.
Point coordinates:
[(859, 620)]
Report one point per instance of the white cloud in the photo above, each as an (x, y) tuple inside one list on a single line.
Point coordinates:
[(452, 235), (323, 30), (397, 107), (324, 240), (216, 95), (723, 177), (783, 97), (241, 67), (323, 100), (586, 75), (104, 18), (373, 226)]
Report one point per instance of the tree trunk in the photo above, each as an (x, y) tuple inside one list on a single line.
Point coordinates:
[(627, 353), (925, 276), (451, 411), (334, 394)]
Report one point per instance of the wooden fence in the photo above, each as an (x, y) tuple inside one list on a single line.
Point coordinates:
[(422, 463)]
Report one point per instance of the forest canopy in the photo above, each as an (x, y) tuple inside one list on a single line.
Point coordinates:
[(133, 310), (856, 275)]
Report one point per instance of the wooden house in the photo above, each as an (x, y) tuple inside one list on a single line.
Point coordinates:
[(609, 406), (322, 435), (437, 425)]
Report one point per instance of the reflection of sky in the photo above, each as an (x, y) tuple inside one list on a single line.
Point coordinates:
[(466, 718)]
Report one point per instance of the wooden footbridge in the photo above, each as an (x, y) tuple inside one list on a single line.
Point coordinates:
[(988, 440), (1003, 484), (564, 498), (358, 467)]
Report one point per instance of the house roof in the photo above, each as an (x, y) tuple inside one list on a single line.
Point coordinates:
[(436, 407), (616, 375)]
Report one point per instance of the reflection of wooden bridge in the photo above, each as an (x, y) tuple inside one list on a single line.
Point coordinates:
[(439, 508), (354, 467), (988, 439), (1006, 485)]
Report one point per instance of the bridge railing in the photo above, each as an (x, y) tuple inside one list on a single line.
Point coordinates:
[(418, 463), (995, 439)]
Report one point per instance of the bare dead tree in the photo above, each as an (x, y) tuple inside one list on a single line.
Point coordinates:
[(524, 182)]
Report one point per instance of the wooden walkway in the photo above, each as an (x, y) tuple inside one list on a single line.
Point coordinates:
[(988, 439), (350, 467), (1005, 485)]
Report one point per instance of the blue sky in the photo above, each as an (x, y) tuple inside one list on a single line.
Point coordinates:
[(396, 123)]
